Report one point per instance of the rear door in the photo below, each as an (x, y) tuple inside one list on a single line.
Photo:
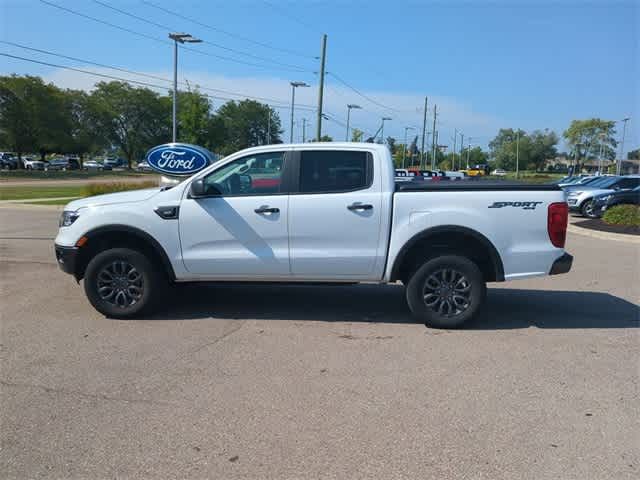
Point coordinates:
[(335, 215)]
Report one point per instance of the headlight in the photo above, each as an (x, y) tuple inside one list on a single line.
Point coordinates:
[(67, 218)]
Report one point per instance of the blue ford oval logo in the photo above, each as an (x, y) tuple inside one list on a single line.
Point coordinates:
[(178, 158)]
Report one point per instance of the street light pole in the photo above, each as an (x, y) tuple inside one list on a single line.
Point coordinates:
[(349, 107), (177, 38), (624, 131), (293, 101), (404, 147), (382, 128)]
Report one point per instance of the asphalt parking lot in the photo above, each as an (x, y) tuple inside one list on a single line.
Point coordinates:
[(318, 382)]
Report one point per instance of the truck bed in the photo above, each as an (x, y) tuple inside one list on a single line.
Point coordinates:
[(471, 185)]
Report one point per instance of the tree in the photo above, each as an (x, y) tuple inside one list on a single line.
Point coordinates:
[(356, 135), (132, 119), (246, 124), (508, 145), (326, 138), (542, 148), (194, 113), (634, 154), (586, 136), (33, 115), (84, 136)]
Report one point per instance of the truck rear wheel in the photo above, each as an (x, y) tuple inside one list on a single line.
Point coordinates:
[(123, 283), (446, 291)]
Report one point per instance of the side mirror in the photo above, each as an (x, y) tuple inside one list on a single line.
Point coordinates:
[(197, 188)]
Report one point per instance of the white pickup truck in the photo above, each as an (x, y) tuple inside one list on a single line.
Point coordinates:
[(328, 212)]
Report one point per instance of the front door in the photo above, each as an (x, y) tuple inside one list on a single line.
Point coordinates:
[(335, 217), (240, 229)]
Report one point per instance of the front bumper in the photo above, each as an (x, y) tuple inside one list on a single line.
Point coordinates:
[(562, 264), (66, 258)]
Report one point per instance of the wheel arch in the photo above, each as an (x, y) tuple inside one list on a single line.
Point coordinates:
[(116, 235), (448, 239)]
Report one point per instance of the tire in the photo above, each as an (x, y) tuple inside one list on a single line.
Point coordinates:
[(587, 209), (114, 289), (463, 296)]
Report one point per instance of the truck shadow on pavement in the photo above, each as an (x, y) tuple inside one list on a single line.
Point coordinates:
[(506, 308)]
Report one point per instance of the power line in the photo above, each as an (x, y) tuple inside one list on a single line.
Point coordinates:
[(137, 82), (155, 39), (230, 34), (358, 92), (170, 29), (147, 75), (284, 13)]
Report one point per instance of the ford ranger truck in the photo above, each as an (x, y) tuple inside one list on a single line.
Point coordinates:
[(328, 212)]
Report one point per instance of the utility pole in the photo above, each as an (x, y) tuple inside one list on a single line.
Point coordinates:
[(435, 152), (304, 130), (468, 150), (424, 132), (461, 147), (433, 136), (177, 38), (323, 58), (624, 131), (453, 152), (269, 127), (517, 153)]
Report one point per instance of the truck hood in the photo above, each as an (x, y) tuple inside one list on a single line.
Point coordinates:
[(130, 196)]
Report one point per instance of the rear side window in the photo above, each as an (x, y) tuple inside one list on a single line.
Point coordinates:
[(336, 171), (628, 183)]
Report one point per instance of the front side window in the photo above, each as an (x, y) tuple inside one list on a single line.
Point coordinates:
[(259, 174), (334, 171)]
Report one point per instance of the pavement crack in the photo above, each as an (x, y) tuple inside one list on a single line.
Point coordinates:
[(217, 340), (93, 396)]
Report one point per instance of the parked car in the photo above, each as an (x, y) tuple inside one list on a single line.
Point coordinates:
[(8, 161), (31, 163), (143, 166), (582, 198), (578, 180), (340, 218), (115, 163), (498, 172), (92, 165), (604, 201), (63, 164)]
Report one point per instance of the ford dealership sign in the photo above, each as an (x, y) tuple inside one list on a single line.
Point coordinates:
[(178, 158)]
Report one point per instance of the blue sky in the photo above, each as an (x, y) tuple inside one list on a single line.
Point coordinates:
[(487, 64)]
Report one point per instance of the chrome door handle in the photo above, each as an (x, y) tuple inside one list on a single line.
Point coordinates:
[(360, 206), (266, 209)]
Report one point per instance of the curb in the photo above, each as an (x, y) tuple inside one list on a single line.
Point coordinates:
[(617, 237)]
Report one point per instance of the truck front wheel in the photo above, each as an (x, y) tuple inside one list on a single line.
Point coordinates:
[(122, 283), (446, 291)]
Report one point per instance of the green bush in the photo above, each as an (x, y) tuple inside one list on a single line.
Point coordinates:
[(102, 188), (628, 215)]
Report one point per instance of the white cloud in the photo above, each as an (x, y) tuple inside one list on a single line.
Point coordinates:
[(406, 107)]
